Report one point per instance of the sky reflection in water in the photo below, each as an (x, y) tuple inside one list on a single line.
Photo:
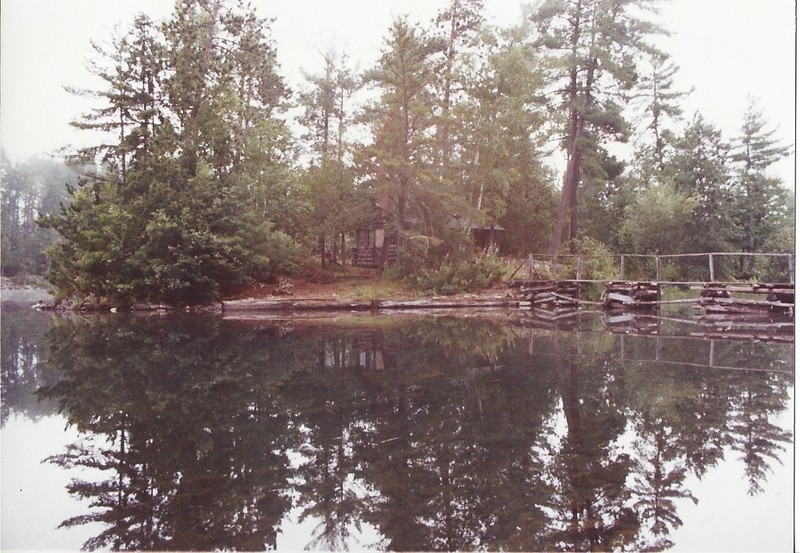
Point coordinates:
[(426, 433)]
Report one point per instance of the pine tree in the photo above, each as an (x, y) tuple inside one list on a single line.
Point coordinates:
[(699, 168), (458, 24), (594, 45), (328, 184), (326, 107), (760, 207), (399, 159), (193, 168), (659, 103), (130, 66)]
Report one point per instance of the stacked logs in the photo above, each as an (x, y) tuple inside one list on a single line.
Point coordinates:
[(555, 295), (718, 298), (631, 295)]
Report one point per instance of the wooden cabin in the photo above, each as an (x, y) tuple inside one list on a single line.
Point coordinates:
[(484, 236), (370, 245)]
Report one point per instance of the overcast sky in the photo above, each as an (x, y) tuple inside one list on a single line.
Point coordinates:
[(726, 49)]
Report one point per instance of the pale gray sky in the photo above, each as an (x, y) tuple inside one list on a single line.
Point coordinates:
[(726, 49)]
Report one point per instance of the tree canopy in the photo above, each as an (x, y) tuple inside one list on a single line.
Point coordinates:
[(212, 175)]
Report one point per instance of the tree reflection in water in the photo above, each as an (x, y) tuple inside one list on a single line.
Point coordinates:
[(440, 433)]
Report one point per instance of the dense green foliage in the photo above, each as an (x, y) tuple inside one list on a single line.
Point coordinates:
[(185, 204), (458, 276), (200, 186)]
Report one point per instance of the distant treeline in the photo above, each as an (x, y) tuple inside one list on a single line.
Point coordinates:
[(29, 189), (214, 174)]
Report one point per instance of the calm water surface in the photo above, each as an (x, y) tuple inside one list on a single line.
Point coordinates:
[(391, 433)]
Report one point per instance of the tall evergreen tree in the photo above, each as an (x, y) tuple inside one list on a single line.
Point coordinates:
[(327, 107), (594, 45), (659, 103), (637, 203), (458, 24), (130, 67), (699, 168), (328, 184), (760, 207), (399, 160), (181, 209)]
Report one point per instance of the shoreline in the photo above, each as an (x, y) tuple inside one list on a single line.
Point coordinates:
[(374, 304)]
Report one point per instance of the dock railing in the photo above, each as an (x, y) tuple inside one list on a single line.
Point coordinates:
[(651, 267)]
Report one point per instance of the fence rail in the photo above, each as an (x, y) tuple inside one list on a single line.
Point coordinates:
[(552, 262)]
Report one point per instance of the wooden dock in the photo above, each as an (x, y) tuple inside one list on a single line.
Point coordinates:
[(645, 292), (713, 297)]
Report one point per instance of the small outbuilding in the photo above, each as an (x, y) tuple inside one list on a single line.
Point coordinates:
[(484, 236)]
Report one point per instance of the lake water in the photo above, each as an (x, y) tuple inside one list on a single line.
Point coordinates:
[(493, 431)]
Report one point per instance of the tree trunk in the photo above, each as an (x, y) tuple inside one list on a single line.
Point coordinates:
[(574, 132), (569, 193), (448, 78)]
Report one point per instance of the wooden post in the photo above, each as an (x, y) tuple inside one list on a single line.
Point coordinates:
[(579, 268), (711, 266), (622, 267), (658, 278), (791, 268), (711, 353)]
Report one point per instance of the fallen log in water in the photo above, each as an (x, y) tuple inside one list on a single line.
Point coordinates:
[(269, 304), (332, 304), (440, 303)]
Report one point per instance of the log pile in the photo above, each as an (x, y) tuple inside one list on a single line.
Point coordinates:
[(631, 295), (719, 298), (554, 296), (781, 293)]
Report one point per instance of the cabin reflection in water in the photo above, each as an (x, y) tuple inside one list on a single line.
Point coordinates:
[(375, 352)]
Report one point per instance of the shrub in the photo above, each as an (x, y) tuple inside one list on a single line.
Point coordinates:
[(597, 263), (286, 256), (454, 277)]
